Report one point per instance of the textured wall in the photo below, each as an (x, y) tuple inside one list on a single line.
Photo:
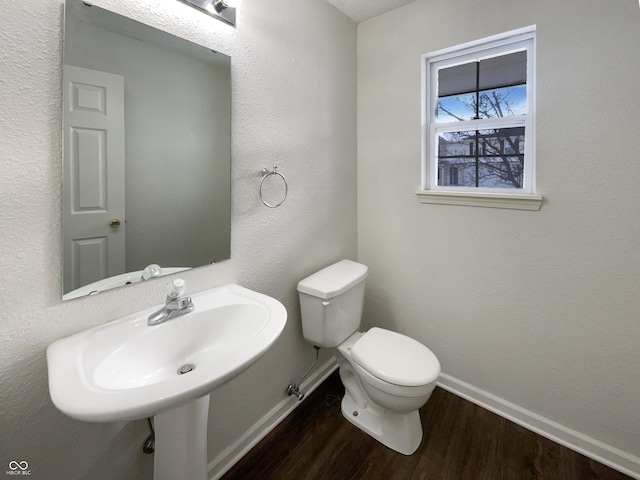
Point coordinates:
[(293, 72), (538, 308)]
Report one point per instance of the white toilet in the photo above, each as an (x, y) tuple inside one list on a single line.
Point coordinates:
[(387, 376)]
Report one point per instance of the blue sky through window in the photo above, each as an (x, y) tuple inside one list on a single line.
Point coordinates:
[(500, 102)]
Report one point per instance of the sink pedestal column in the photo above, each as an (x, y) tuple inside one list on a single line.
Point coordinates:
[(181, 442)]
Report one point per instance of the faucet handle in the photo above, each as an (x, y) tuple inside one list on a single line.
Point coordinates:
[(151, 271), (178, 287)]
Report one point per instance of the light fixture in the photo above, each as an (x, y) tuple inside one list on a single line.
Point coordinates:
[(223, 10)]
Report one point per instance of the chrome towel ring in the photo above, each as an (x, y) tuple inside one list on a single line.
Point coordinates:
[(266, 173)]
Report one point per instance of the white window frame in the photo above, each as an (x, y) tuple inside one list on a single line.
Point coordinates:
[(430, 192)]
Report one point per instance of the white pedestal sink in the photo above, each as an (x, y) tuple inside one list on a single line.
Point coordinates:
[(181, 442), (127, 370)]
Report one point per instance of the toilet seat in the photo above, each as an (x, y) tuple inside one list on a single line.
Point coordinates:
[(395, 358)]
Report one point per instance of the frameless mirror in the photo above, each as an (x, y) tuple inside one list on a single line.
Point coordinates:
[(146, 152)]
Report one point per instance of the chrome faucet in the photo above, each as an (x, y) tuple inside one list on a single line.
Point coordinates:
[(176, 305)]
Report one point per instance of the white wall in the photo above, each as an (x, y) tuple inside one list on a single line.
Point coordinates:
[(293, 71), (538, 308)]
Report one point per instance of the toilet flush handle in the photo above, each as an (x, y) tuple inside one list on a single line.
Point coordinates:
[(326, 303)]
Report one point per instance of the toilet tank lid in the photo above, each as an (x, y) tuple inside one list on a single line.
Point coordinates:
[(395, 358), (334, 279)]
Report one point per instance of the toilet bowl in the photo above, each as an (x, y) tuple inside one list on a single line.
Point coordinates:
[(387, 376)]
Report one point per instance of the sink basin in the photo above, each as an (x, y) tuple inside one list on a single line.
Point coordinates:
[(127, 370)]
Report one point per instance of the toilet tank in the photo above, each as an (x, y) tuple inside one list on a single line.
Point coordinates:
[(331, 303)]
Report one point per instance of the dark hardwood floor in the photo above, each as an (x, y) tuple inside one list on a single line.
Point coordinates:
[(461, 442)]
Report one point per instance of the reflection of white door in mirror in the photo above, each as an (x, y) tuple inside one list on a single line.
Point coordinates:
[(93, 186)]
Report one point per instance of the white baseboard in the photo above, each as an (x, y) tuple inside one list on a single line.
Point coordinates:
[(234, 452), (606, 454)]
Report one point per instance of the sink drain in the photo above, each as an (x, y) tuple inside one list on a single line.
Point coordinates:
[(186, 368)]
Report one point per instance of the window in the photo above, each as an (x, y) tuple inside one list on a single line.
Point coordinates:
[(478, 117)]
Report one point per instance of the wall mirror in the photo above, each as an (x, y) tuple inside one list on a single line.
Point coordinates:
[(146, 152)]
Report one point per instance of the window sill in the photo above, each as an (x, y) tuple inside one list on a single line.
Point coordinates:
[(491, 200)]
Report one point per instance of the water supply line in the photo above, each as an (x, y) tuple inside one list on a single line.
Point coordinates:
[(293, 388), (150, 443)]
